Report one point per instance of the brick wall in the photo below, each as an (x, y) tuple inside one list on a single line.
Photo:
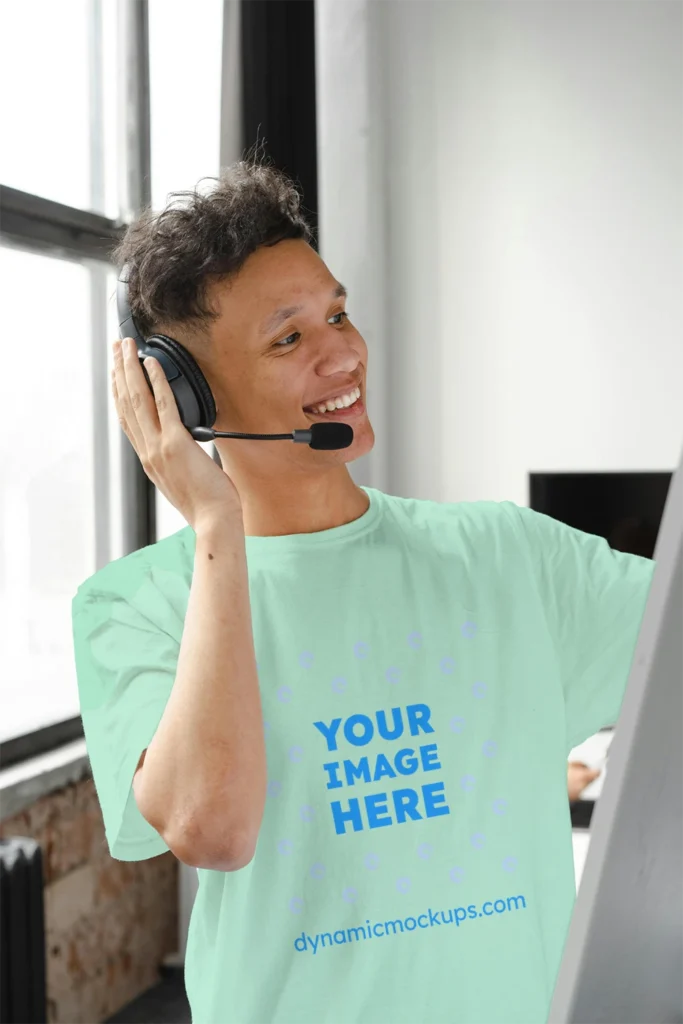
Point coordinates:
[(109, 924)]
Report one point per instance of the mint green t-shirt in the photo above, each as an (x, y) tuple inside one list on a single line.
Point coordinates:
[(424, 672)]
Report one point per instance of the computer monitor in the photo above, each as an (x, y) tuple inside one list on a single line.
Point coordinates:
[(624, 507)]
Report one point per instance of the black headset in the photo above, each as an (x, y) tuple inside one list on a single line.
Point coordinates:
[(196, 405), (195, 402)]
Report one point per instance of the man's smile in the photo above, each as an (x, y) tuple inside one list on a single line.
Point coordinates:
[(349, 406)]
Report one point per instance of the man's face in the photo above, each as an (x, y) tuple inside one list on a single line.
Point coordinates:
[(283, 344)]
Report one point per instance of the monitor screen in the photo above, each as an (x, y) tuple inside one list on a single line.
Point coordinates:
[(624, 508)]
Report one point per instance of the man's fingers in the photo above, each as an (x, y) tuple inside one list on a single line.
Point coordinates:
[(167, 408), (141, 398), (124, 405), (579, 776)]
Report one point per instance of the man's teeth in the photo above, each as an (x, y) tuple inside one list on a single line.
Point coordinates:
[(342, 402)]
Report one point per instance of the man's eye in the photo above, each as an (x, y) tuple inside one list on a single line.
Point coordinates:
[(289, 340), (292, 338)]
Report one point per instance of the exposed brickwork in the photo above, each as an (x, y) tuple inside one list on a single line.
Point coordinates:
[(109, 924)]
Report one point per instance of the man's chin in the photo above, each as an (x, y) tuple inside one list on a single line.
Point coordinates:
[(363, 442)]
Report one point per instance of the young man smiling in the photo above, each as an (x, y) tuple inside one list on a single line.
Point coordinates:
[(350, 711)]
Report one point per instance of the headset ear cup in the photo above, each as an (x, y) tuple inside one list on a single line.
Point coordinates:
[(196, 404)]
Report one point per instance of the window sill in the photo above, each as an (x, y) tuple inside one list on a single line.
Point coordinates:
[(23, 784)]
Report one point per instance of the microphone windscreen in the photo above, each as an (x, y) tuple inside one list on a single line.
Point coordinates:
[(331, 436)]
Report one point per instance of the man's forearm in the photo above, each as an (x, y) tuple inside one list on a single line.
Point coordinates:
[(203, 781)]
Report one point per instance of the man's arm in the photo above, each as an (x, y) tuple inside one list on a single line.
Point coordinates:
[(201, 782), (593, 598)]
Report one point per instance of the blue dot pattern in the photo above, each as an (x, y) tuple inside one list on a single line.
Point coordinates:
[(361, 650), (296, 905), (339, 684), (349, 895), (372, 861), (467, 782), (393, 674), (457, 724), (284, 694), (479, 690), (317, 870), (415, 641), (447, 666), (403, 884), (478, 840), (285, 847), (306, 659), (456, 874)]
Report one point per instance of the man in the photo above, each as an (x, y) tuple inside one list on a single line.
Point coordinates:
[(379, 817)]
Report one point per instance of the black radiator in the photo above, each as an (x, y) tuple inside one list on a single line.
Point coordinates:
[(22, 933)]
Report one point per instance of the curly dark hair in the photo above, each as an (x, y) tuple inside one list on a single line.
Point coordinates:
[(201, 238)]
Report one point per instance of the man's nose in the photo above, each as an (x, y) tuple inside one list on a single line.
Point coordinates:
[(337, 355)]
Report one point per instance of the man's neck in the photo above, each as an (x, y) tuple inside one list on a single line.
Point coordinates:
[(295, 504)]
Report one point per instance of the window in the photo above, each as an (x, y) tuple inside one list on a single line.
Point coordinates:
[(58, 80), (63, 510), (185, 94), (48, 509)]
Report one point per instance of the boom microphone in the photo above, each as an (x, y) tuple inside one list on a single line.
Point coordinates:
[(322, 436)]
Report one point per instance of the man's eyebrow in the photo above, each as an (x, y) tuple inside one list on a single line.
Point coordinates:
[(280, 315)]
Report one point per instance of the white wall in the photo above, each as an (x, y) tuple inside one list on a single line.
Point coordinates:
[(531, 178), (349, 108)]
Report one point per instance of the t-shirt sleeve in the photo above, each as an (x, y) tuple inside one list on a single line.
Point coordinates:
[(125, 667), (594, 599)]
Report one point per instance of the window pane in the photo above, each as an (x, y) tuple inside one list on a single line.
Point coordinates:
[(58, 133), (47, 509), (185, 105)]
